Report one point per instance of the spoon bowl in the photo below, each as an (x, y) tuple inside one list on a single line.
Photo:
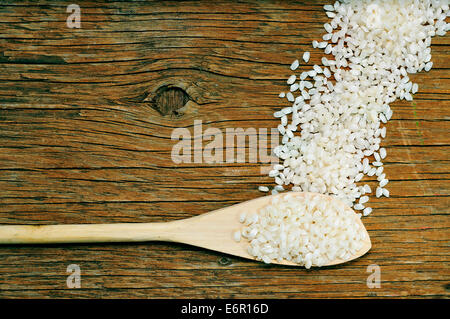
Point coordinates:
[(213, 230)]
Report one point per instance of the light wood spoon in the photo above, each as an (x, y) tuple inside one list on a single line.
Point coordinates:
[(213, 230)]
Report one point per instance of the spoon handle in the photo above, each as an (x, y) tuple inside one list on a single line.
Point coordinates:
[(87, 233)]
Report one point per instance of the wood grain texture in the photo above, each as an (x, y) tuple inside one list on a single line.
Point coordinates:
[(81, 143)]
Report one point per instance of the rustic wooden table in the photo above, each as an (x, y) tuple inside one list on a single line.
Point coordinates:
[(85, 137)]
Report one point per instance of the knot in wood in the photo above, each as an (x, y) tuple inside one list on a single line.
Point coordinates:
[(168, 100), (224, 261)]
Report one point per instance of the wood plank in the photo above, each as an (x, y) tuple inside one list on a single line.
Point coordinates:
[(81, 142)]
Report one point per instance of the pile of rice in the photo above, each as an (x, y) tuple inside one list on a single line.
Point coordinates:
[(331, 134), (306, 230)]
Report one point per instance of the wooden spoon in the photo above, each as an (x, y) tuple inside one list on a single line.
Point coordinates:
[(213, 230)]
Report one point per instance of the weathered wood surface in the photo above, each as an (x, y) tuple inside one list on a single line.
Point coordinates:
[(81, 142)]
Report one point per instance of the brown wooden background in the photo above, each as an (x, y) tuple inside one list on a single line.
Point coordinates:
[(81, 143)]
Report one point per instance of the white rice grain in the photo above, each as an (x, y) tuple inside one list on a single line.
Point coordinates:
[(384, 182), (306, 56)]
